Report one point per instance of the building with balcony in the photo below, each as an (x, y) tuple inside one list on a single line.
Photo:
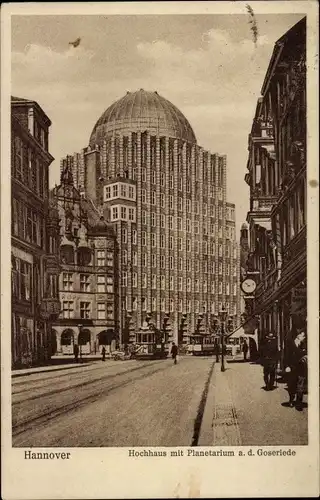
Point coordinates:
[(88, 278), (34, 236), (277, 257), (165, 197)]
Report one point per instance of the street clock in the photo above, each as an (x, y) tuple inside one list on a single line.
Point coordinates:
[(248, 286)]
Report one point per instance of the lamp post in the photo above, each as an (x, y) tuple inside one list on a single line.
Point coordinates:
[(223, 317)]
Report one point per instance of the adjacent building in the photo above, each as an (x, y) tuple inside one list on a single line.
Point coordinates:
[(277, 179), (34, 236), (165, 197), (88, 278)]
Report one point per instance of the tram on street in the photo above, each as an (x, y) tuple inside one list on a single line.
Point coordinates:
[(202, 345), (149, 346)]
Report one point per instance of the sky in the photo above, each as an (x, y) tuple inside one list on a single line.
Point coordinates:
[(207, 65)]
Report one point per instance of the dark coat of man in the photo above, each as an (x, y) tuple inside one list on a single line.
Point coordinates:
[(174, 350), (270, 355)]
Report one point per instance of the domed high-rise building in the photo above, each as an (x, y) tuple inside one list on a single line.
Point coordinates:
[(166, 198)]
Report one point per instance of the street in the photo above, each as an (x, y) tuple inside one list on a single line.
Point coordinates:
[(153, 403)]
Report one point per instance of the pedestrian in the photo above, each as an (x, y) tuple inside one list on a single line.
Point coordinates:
[(103, 352), (174, 352), (297, 369), (217, 350), (245, 349), (76, 352), (270, 354)]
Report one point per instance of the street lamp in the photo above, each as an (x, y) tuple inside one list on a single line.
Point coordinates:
[(223, 317)]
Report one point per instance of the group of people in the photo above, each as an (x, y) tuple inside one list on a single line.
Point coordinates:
[(296, 368)]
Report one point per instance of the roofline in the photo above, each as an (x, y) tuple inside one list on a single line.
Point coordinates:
[(21, 102)]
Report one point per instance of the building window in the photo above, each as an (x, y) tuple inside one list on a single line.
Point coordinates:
[(154, 282), (153, 260), (144, 217), (131, 192), (162, 200), (188, 225), (143, 175), (124, 279), (110, 310), (163, 180), (162, 282), (101, 283), (153, 219), (196, 285), (153, 239), (196, 246), (84, 310), (197, 266), (109, 259), (220, 288), (134, 258), (212, 248), (180, 283), (220, 250), (188, 245), (171, 242), (188, 306), (171, 202), (220, 268), (67, 309), (124, 257), (179, 223), (196, 306), (227, 289), (84, 283), (163, 305), (213, 287), (144, 260), (227, 269), (171, 305), (235, 289), (109, 284), (134, 280), (134, 303), (143, 238), (67, 282), (180, 203), (143, 195), (101, 258), (162, 261), (144, 280), (124, 235), (213, 309), (101, 310), (188, 284), (188, 205), (162, 221), (188, 186), (188, 265), (180, 264), (123, 213), (134, 237), (171, 263), (205, 247), (170, 221), (205, 287), (115, 190), (171, 283)]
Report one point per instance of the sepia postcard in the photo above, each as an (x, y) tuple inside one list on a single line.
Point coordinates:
[(159, 250)]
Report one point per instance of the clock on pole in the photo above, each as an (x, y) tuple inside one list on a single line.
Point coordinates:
[(248, 286)]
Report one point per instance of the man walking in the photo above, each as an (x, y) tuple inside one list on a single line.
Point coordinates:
[(270, 353), (174, 352), (76, 352), (245, 349)]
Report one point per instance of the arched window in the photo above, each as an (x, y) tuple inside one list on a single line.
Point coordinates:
[(67, 337)]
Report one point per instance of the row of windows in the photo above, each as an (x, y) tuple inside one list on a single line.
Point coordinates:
[(103, 311), (206, 210), (120, 190), (28, 168), (162, 280), (212, 266), (102, 285), (212, 308), (123, 213), (293, 214), (103, 258), (26, 223)]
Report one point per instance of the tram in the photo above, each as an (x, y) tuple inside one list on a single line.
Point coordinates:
[(202, 345), (150, 346)]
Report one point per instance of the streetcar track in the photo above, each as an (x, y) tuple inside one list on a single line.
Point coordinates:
[(50, 393), (28, 424)]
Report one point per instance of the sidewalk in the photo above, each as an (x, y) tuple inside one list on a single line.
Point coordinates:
[(239, 412)]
